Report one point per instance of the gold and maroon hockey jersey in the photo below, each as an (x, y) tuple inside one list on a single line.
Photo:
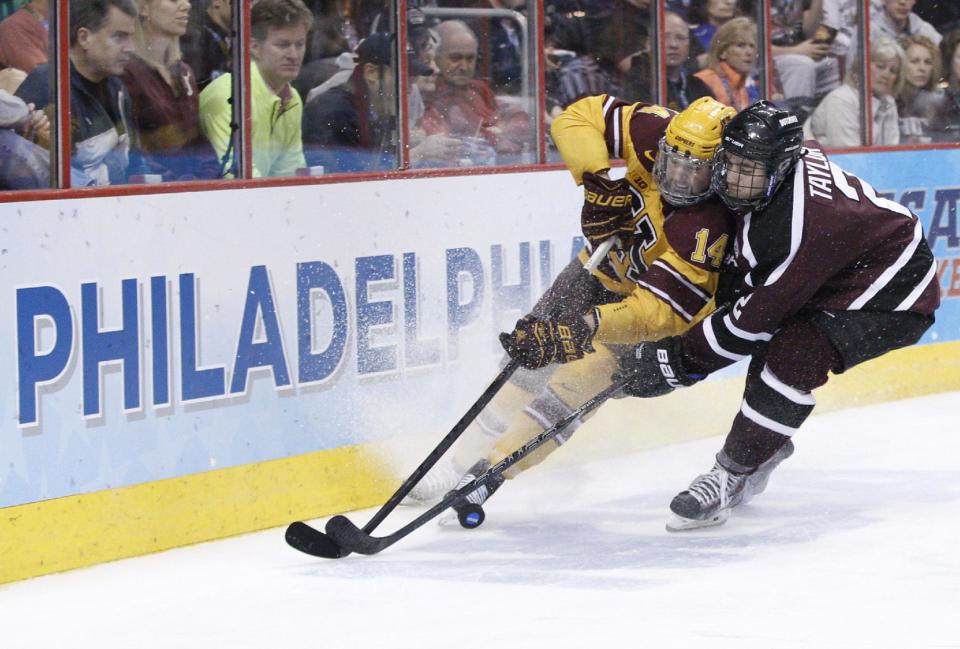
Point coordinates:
[(670, 274)]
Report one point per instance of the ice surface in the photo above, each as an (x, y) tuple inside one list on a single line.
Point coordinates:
[(855, 543)]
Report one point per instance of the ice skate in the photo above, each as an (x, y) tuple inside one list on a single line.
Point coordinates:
[(711, 496), (439, 480), (469, 511)]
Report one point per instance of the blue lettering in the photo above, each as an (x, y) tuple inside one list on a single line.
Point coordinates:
[(578, 243), (159, 338), (371, 359), (914, 199), (195, 383), (509, 297), (546, 266), (944, 221), (269, 352), (417, 353), (110, 345), (318, 276), (33, 367), (462, 263)]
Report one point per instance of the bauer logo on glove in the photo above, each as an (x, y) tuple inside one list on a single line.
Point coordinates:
[(537, 343), (607, 209), (655, 369)]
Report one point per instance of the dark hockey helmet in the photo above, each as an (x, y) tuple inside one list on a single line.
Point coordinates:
[(770, 139)]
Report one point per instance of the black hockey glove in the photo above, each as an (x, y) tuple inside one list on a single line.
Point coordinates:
[(654, 369), (536, 343), (606, 209)]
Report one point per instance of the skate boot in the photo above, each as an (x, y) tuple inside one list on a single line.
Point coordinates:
[(711, 496), (439, 480), (469, 510)]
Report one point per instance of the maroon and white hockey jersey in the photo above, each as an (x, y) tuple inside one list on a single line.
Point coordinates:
[(826, 242)]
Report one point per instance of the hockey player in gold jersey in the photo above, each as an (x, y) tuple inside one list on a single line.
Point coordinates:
[(658, 280)]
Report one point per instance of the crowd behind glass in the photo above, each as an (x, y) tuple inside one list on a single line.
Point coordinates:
[(151, 86)]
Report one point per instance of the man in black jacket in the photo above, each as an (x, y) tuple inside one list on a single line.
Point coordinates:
[(101, 33), (831, 275)]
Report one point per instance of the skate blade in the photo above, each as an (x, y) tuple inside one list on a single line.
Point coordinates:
[(681, 524), (448, 519)]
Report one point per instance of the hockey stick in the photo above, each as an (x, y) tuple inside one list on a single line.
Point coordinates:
[(312, 541), (351, 538)]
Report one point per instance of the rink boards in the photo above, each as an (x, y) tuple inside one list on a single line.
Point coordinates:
[(181, 367)]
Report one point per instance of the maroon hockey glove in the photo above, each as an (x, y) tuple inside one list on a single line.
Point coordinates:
[(654, 369), (537, 343), (606, 209)]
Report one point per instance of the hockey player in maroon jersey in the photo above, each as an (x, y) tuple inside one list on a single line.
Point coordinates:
[(832, 275)]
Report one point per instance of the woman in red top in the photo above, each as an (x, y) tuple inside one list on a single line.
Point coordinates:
[(730, 59), (165, 98)]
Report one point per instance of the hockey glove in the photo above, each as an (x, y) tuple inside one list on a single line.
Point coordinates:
[(654, 369), (537, 343), (606, 209)]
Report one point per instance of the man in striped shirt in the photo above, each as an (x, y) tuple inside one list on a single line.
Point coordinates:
[(831, 275)]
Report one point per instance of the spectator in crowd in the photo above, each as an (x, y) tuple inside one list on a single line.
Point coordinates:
[(353, 126), (682, 86), (24, 37), (280, 30), (570, 72), (840, 22), (730, 60), (836, 121), (920, 99), (801, 47), (707, 16), (506, 48), (464, 107), (206, 45), (101, 44), (621, 37), (895, 19), (24, 164), (164, 97), (945, 127)]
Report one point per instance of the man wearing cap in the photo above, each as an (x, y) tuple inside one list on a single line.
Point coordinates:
[(352, 127)]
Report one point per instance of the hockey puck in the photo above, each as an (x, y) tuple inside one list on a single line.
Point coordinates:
[(470, 515)]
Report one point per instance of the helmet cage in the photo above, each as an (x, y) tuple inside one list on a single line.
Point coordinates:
[(751, 192), (676, 174)]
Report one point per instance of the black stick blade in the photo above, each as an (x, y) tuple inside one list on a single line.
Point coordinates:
[(301, 536), (351, 538)]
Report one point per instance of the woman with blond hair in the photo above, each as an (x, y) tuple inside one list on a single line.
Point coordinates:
[(730, 60), (165, 98), (921, 98), (836, 121)]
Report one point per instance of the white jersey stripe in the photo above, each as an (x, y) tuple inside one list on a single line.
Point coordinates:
[(915, 293), (711, 337), (894, 268), (607, 104), (766, 422), (740, 333), (796, 224), (666, 298), (617, 139), (798, 397), (683, 280), (747, 250)]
